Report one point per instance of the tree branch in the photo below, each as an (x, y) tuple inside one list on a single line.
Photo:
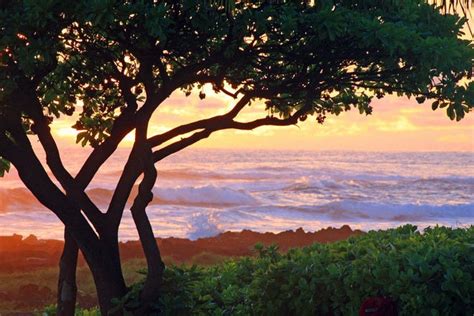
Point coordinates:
[(38, 182), (53, 160), (101, 153), (206, 132), (135, 163), (130, 174), (181, 144), (126, 122), (134, 166), (205, 123)]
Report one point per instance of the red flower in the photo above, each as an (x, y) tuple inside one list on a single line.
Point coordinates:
[(378, 306)]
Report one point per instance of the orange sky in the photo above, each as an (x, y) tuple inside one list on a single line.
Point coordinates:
[(397, 124)]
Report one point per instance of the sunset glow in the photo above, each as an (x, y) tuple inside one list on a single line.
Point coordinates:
[(397, 124), (236, 157)]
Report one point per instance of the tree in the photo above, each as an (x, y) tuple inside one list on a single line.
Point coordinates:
[(463, 7), (122, 59)]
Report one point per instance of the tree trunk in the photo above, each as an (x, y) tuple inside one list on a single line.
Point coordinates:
[(106, 270), (67, 288), (108, 277), (152, 287)]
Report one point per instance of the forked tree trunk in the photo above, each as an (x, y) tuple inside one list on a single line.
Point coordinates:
[(67, 288), (106, 271), (101, 254)]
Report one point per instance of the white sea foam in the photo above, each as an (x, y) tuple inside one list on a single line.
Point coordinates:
[(203, 225)]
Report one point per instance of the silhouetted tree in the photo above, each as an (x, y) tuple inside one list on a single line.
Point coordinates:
[(122, 59)]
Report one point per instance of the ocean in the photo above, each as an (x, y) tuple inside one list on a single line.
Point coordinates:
[(202, 192)]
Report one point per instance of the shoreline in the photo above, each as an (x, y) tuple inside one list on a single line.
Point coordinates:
[(19, 253)]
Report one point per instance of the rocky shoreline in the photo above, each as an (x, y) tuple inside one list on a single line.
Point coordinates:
[(20, 254)]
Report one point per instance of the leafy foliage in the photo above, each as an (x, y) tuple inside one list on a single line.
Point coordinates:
[(51, 310), (105, 58), (428, 273), (324, 59)]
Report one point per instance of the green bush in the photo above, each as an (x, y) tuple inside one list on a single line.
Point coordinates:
[(429, 273), (51, 311)]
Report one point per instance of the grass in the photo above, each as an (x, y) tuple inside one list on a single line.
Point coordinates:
[(47, 277)]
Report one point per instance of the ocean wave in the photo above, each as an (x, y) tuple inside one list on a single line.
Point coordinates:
[(184, 174), (351, 209), (340, 182), (17, 198), (180, 174), (203, 196), (447, 180), (203, 225)]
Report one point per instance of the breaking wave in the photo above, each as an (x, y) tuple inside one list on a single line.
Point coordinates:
[(17, 198), (204, 196), (400, 212)]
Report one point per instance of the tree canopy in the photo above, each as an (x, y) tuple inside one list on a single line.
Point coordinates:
[(115, 62), (112, 56)]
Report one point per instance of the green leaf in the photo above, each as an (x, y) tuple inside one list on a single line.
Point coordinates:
[(82, 136), (420, 99), (450, 112), (4, 166)]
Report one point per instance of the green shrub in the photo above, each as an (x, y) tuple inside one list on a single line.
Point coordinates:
[(429, 273), (51, 311)]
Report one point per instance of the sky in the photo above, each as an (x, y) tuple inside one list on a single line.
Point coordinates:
[(397, 124)]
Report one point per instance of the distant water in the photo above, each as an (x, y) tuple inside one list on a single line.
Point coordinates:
[(203, 192)]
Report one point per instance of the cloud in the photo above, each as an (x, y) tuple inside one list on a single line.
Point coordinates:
[(399, 124)]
